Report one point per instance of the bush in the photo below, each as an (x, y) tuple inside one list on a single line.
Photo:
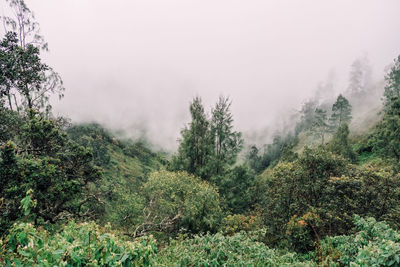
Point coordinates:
[(76, 245), (220, 250), (239, 222), (376, 244), (179, 201), (296, 188), (44, 159)]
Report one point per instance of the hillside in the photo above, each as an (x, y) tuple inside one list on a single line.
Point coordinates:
[(126, 165)]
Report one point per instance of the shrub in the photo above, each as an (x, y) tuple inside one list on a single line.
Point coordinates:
[(375, 244), (220, 250), (76, 245), (179, 201)]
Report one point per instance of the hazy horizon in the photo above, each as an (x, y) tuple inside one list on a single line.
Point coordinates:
[(135, 65)]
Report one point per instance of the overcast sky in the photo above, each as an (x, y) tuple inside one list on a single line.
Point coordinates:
[(135, 64)]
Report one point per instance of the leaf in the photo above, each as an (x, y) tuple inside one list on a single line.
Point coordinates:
[(17, 262)]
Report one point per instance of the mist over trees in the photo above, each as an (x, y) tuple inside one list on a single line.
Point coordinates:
[(79, 195)]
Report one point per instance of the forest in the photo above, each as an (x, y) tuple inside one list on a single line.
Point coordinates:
[(320, 194)]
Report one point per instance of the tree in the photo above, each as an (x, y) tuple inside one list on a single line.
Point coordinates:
[(24, 70), (8, 47), (341, 112), (340, 143), (10, 124), (227, 143), (392, 88), (307, 114), (179, 201), (297, 187), (386, 140), (320, 125), (360, 76), (236, 189), (254, 160), (23, 22), (24, 77), (208, 147), (58, 170), (195, 146)]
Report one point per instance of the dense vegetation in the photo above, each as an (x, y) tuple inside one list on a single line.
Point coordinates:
[(77, 195)]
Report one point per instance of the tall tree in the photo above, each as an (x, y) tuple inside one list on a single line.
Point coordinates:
[(22, 21), (8, 52), (307, 114), (392, 88), (28, 81), (360, 76), (195, 147), (227, 142), (341, 112), (320, 125), (23, 70)]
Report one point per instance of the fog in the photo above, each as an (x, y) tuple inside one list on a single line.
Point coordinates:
[(135, 65)]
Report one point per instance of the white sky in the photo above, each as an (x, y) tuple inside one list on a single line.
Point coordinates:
[(138, 63)]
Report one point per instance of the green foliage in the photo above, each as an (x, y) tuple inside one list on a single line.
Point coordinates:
[(24, 76), (320, 126), (307, 114), (208, 147), (195, 148), (359, 79), (238, 222), (95, 137), (340, 143), (280, 149), (25, 81), (386, 139), (220, 250), (227, 143), (87, 173), (236, 186), (327, 185), (10, 123), (45, 160), (341, 112), (368, 191), (84, 244), (392, 88), (179, 201), (27, 202), (375, 244), (302, 231), (126, 165), (296, 188)]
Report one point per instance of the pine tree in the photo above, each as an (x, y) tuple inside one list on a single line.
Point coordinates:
[(227, 142), (360, 78), (307, 114), (196, 144), (341, 112), (208, 148), (320, 125)]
